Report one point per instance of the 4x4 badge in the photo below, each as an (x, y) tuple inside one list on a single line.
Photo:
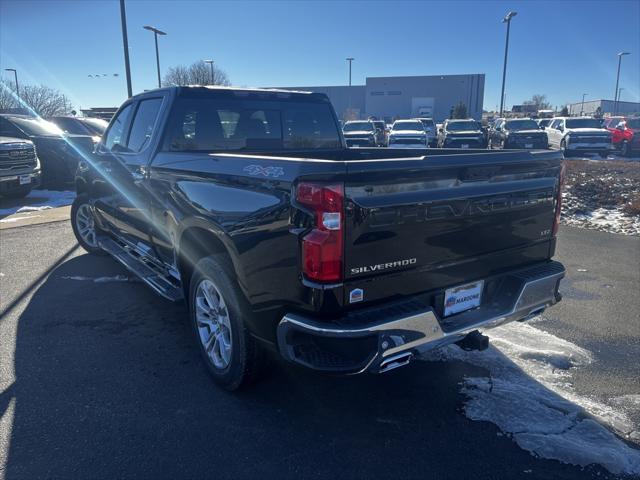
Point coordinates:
[(256, 170)]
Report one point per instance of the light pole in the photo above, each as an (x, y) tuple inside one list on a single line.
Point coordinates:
[(156, 32), (15, 74), (350, 59), (210, 62), (619, 95), (507, 20), (615, 100), (582, 106), (125, 45)]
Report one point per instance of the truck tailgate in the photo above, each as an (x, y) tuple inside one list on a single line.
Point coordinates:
[(466, 215)]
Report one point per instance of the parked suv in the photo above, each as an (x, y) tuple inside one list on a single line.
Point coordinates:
[(579, 134), (58, 152), (408, 134), (360, 133), (517, 133), (19, 167), (430, 128), (625, 133), (461, 134), (247, 205)]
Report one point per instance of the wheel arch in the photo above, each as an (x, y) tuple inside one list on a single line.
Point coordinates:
[(197, 241)]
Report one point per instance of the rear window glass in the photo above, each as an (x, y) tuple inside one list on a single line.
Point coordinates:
[(358, 126), (583, 123), (213, 124)]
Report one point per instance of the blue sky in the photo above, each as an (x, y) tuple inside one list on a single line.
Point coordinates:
[(558, 48)]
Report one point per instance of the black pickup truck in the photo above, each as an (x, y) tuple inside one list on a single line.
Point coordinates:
[(248, 205)]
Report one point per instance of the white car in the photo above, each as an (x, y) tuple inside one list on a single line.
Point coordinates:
[(408, 134), (579, 134)]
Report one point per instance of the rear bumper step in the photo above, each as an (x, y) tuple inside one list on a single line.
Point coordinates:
[(343, 346)]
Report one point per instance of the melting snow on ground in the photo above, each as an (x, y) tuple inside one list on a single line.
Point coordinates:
[(529, 396), (117, 278), (41, 200)]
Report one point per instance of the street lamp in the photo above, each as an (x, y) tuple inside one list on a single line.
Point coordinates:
[(210, 62), (582, 106), (615, 100), (15, 74), (156, 32), (350, 59), (125, 46), (507, 20)]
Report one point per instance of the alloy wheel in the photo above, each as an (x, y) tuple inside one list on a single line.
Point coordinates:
[(214, 326)]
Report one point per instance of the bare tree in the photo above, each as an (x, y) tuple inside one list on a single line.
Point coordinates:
[(459, 111), (540, 101), (43, 100), (198, 73)]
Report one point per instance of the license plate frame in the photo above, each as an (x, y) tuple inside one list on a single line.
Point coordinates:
[(464, 145), (528, 145), (24, 179), (456, 301)]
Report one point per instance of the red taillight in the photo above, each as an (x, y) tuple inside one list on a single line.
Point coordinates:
[(556, 219), (322, 248)]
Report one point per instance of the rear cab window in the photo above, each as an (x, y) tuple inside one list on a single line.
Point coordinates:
[(201, 122)]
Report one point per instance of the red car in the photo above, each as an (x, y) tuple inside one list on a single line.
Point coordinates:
[(625, 133)]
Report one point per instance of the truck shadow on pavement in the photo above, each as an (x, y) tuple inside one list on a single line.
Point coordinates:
[(109, 384)]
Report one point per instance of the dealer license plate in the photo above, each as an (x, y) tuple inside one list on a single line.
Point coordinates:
[(461, 298), (464, 145), (25, 179), (528, 145)]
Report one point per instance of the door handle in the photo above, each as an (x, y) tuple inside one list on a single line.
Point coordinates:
[(138, 177)]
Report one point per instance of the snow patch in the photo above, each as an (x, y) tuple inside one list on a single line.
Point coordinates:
[(529, 395), (117, 278), (41, 200), (15, 219)]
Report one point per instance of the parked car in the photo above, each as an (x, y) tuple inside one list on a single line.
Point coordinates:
[(341, 260), (408, 134), (93, 127), (360, 133), (517, 133), (625, 133), (461, 134), (19, 167), (430, 128), (58, 153), (579, 134), (381, 133)]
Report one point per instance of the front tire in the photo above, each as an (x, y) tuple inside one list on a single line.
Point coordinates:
[(624, 149), (218, 317), (84, 225)]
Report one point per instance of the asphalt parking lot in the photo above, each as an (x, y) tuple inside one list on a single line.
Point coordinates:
[(99, 378)]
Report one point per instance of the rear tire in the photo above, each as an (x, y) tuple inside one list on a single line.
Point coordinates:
[(218, 316), (84, 225)]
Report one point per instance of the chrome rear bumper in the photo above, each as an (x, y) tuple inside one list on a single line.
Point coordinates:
[(412, 328)]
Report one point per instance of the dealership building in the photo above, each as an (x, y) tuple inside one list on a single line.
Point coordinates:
[(389, 98), (590, 107)]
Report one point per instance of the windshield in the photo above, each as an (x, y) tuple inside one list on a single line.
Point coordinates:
[(464, 125), (633, 123), (96, 125), (521, 125), (358, 126), (71, 125), (210, 124), (583, 123), (408, 126), (427, 123), (36, 126)]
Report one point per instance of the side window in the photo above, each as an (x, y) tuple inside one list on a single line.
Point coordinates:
[(143, 123), (554, 124), (115, 139)]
